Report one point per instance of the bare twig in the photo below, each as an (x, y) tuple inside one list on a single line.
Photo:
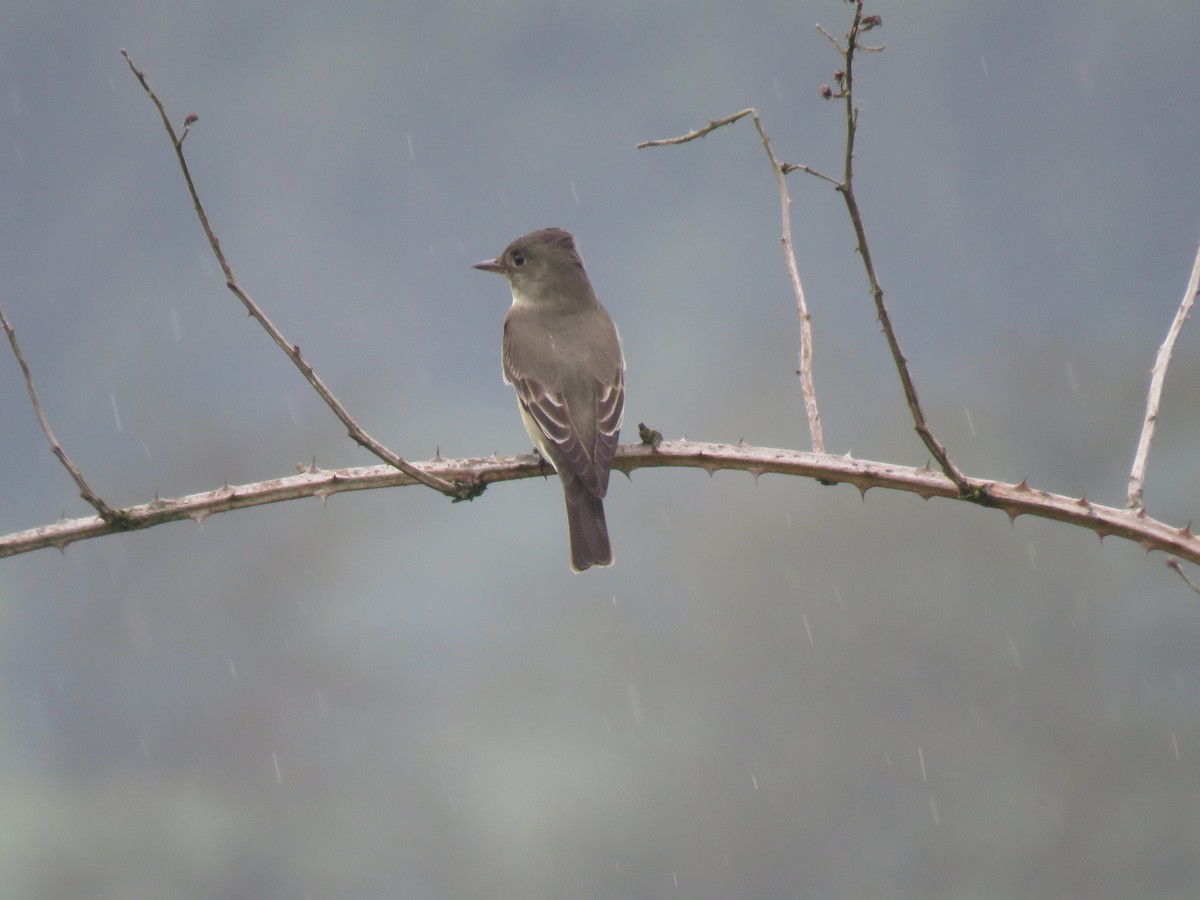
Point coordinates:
[(807, 388), (845, 187), (356, 432), (1158, 375), (845, 80), (1014, 500), (113, 517), (713, 125), (1173, 563)]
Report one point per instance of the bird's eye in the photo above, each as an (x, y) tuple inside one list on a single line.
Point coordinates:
[(518, 258)]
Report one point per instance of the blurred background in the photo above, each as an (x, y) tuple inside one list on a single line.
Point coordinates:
[(780, 690)]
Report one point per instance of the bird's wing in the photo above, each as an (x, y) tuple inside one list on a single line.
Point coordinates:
[(610, 412), (564, 444)]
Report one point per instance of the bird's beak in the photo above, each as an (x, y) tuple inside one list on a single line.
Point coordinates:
[(491, 265)]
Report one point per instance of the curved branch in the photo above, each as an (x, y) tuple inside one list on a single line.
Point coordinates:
[(1015, 500)]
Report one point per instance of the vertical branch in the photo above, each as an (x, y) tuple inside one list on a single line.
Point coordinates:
[(807, 388), (1158, 375), (780, 170), (845, 79)]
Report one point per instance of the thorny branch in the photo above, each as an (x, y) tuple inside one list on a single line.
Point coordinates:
[(972, 489), (356, 432), (467, 477), (845, 187), (1015, 500)]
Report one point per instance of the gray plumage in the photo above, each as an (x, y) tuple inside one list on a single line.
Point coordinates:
[(562, 355)]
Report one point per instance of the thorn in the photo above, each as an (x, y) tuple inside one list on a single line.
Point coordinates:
[(437, 454), (1101, 533), (1023, 487), (1141, 513), (1083, 501), (862, 490), (754, 473), (1186, 531), (924, 495), (199, 516), (1012, 516), (312, 469), (927, 467), (323, 493), (847, 455), (711, 469)]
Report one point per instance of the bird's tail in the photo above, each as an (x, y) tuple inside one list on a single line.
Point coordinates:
[(587, 530)]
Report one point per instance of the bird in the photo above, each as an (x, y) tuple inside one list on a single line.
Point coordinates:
[(562, 355)]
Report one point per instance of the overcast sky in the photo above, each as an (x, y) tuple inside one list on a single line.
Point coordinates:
[(781, 689)]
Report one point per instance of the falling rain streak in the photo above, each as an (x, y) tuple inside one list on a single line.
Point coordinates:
[(635, 704), (1071, 379), (1014, 652)]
